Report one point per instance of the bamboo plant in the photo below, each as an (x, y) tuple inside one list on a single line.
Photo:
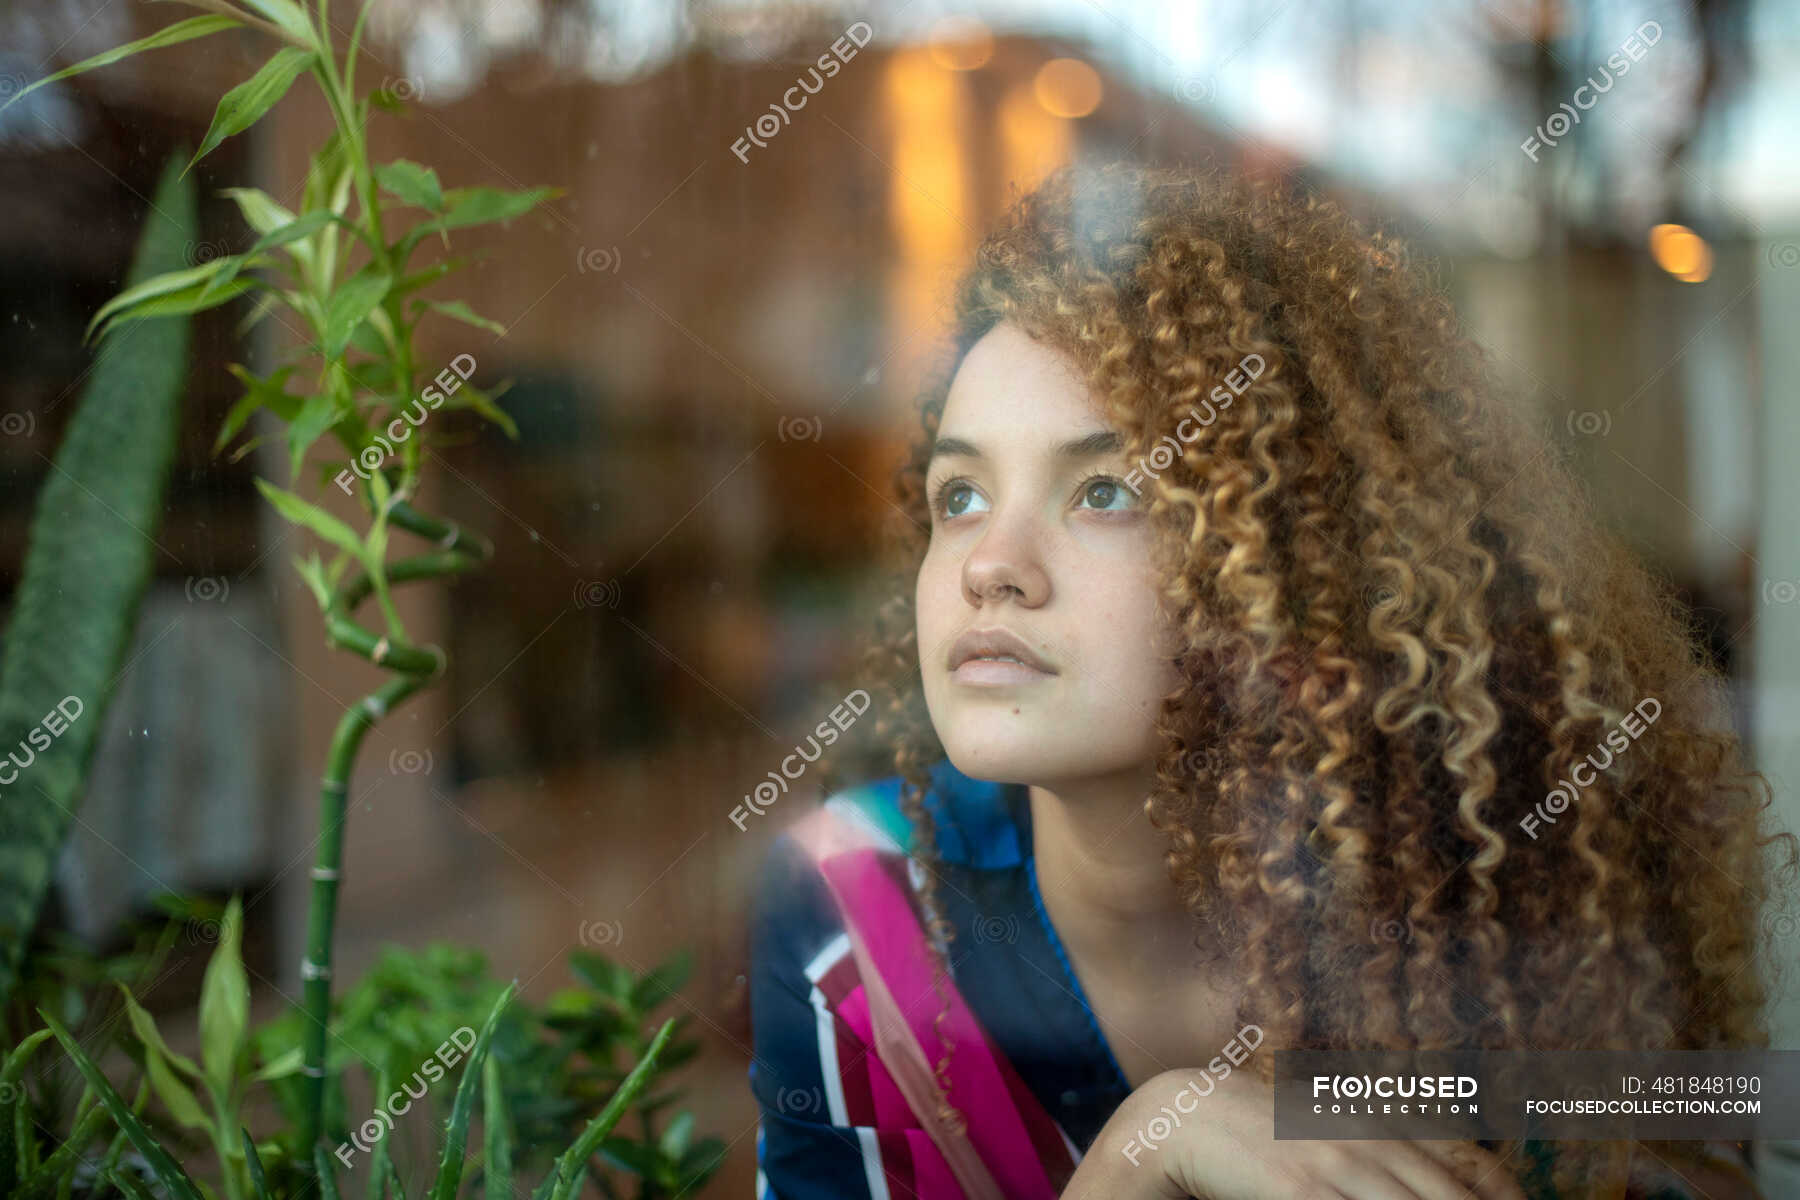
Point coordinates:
[(341, 266)]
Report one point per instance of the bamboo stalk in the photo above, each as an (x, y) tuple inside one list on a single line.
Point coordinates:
[(415, 668)]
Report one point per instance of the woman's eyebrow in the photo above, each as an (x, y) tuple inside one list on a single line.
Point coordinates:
[(1093, 445)]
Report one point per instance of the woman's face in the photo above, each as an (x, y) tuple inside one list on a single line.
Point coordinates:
[(1034, 531)]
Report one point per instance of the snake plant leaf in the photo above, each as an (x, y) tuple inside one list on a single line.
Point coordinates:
[(181, 31), (174, 1180), (245, 104), (86, 565)]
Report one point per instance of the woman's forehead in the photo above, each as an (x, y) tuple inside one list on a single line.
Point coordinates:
[(1012, 392)]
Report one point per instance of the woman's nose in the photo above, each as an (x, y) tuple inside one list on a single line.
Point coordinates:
[(1004, 564)]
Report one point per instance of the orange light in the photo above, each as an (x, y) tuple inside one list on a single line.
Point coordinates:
[(960, 44), (1067, 87), (1681, 252)]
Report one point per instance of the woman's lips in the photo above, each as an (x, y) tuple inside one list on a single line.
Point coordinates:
[(989, 672)]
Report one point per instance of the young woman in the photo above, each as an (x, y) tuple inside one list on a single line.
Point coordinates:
[(1243, 657)]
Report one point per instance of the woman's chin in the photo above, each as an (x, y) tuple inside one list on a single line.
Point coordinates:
[(1000, 759)]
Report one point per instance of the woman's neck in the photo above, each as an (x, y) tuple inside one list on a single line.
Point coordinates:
[(1101, 872)]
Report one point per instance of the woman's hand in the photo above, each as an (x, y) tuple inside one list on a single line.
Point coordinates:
[(1224, 1148)]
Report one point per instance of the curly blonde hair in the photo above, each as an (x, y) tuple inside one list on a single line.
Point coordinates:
[(1403, 627)]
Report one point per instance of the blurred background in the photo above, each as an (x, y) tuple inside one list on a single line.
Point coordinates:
[(714, 340)]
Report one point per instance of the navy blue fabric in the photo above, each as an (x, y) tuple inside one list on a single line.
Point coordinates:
[(1005, 959)]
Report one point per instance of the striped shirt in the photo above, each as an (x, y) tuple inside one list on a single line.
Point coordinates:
[(832, 1123), (819, 1087)]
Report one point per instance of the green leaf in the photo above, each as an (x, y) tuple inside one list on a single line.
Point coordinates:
[(379, 1158), (701, 1160), (128, 1184), (428, 276), (462, 312), (329, 164), (260, 211), (181, 31), (573, 1164), (319, 413), (474, 206), (254, 1159), (368, 339), (224, 1003), (350, 304), (318, 520), (176, 1096), (480, 205), (470, 396), (58, 1170), (497, 1126), (265, 304), (12, 1094), (661, 983), (411, 183), (600, 973), (88, 558), (172, 1177), (674, 1141), (244, 105), (294, 1057), (456, 1134), (293, 231), (177, 304), (287, 15), (326, 1172), (635, 1157), (259, 392), (393, 1178), (160, 285), (314, 574)]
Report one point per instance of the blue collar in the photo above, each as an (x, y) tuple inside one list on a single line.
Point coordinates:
[(980, 824)]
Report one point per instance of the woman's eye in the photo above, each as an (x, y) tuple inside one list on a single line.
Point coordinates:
[(954, 497), (1104, 490)]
